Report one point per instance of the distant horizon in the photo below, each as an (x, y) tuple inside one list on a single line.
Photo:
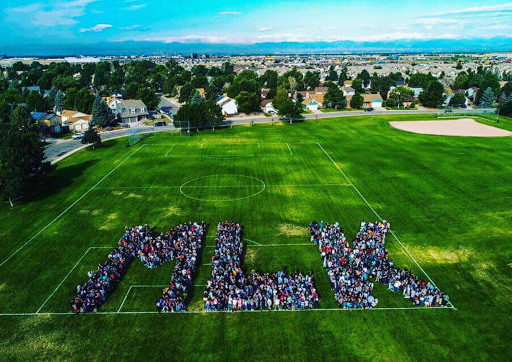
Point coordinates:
[(130, 48)]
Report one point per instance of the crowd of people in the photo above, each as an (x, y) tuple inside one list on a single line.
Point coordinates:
[(182, 243), (185, 243), (230, 289), (350, 268)]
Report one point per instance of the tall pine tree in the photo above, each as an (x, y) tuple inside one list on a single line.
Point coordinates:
[(101, 113), (22, 164)]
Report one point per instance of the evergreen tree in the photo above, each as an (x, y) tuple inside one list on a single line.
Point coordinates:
[(196, 98), (488, 98), (52, 93), (22, 164), (59, 101), (101, 113)]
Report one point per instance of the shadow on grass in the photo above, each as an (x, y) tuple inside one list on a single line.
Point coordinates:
[(60, 179)]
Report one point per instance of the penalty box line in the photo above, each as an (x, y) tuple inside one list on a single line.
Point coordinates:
[(69, 273), (69, 207), (376, 214)]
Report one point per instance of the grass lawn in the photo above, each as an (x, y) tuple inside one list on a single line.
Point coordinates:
[(448, 200)]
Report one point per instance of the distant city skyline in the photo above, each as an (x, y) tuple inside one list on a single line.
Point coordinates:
[(85, 22)]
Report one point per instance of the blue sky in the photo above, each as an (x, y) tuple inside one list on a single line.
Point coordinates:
[(241, 21)]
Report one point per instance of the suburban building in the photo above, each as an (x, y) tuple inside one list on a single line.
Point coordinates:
[(267, 107), (129, 110), (228, 105), (372, 100), (50, 122), (76, 121)]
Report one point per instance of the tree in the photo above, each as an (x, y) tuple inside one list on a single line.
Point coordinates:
[(52, 93), (364, 75), (269, 79), (459, 65), (101, 114), (357, 101), (461, 82), (131, 90), (35, 102), (398, 96), (458, 99), (70, 99), (343, 77), (196, 98), (488, 98), (199, 115), (280, 98), (312, 80), (420, 80), (186, 93), (22, 164), (334, 98), (246, 80), (432, 96), (91, 136), (148, 96), (332, 75), (59, 101), (357, 84), (84, 101), (290, 109), (248, 102)]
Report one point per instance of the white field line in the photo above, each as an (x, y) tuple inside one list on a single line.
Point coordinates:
[(291, 153), (214, 186), (252, 241), (63, 280), (170, 149), (223, 311), (69, 207), (376, 214), (124, 300)]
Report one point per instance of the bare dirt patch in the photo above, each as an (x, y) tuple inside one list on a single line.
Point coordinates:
[(171, 211), (117, 193), (460, 127), (133, 195), (290, 230)]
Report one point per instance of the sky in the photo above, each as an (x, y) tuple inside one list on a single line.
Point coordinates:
[(248, 22)]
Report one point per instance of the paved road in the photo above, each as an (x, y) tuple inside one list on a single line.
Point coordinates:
[(59, 149), (167, 105)]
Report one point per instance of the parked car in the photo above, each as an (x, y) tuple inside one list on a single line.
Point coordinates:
[(369, 109), (160, 124), (448, 111), (78, 136)]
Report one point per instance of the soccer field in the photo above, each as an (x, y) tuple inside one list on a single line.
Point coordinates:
[(447, 199)]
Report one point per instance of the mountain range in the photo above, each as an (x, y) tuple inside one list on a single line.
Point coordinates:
[(499, 44)]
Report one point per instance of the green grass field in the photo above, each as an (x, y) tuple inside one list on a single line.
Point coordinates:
[(449, 201)]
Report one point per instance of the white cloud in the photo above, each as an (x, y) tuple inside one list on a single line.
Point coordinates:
[(136, 27), (96, 28), (264, 29), (60, 13), (232, 13), (135, 7), (480, 10)]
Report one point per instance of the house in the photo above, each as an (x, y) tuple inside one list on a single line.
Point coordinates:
[(50, 122), (129, 110), (228, 105), (313, 102), (321, 90), (310, 104), (348, 90), (267, 106), (264, 92), (76, 121), (416, 92), (347, 83), (372, 100)]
